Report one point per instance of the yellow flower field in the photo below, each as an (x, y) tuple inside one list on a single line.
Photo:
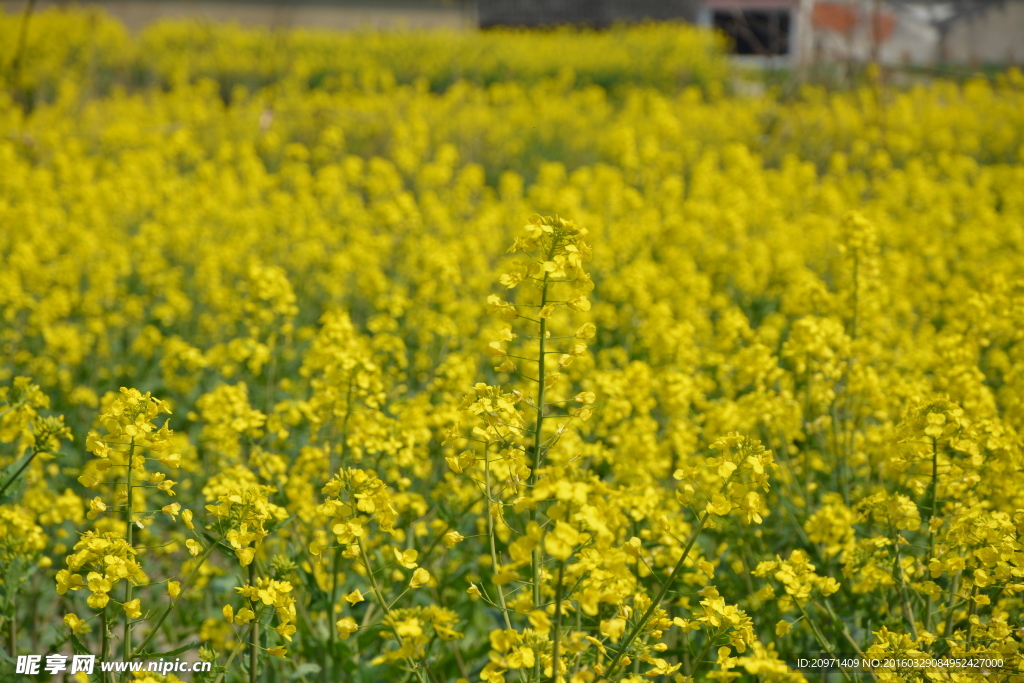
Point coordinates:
[(504, 357)]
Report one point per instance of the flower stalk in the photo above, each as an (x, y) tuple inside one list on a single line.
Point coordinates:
[(656, 602)]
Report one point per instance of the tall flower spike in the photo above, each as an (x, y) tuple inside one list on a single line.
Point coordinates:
[(120, 463), (536, 344)]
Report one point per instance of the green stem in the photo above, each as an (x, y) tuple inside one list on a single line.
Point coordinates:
[(129, 535), (12, 646), (271, 371), (935, 481), (660, 596), (820, 637), (14, 477), (20, 49), (578, 661), (972, 605), (344, 428), (538, 437), (413, 666), (239, 647), (931, 533), (856, 294), (104, 641), (490, 534), (334, 599), (954, 589), (425, 555), (847, 635), (254, 633), (700, 657), (174, 603), (558, 623), (538, 433), (901, 589)]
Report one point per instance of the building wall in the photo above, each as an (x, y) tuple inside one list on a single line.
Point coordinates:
[(596, 13), (995, 37), (909, 35)]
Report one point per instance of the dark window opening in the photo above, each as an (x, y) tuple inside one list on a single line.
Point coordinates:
[(755, 32)]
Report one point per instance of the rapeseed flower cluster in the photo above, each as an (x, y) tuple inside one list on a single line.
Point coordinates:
[(748, 386)]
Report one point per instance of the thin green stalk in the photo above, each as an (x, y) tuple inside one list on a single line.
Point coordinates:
[(558, 623), (344, 429), (807, 423), (490, 534), (901, 589), (931, 533), (538, 433), (820, 637), (687, 651), (578, 663), (240, 646), (174, 603), (413, 666), (856, 294), (972, 605), (129, 536), (935, 481), (337, 551), (19, 51), (635, 631), (439, 536), (538, 438), (847, 635), (14, 477), (35, 597), (12, 635), (954, 589), (254, 633), (700, 657), (271, 371), (104, 642), (334, 599)]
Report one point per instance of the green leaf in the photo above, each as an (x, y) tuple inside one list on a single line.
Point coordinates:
[(169, 653), (318, 598), (212, 675), (7, 476), (303, 670), (78, 646), (221, 547)]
